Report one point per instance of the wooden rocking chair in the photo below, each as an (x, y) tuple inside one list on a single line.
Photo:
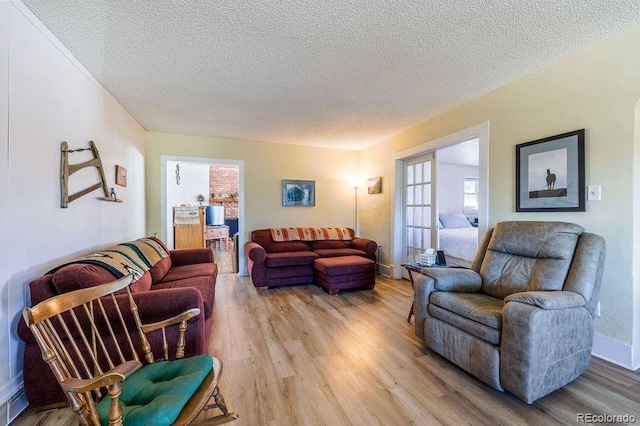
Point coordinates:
[(76, 333)]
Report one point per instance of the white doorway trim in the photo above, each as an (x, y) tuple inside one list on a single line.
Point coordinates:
[(480, 131), (242, 264)]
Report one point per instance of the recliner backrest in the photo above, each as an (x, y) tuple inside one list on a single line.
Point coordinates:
[(528, 256)]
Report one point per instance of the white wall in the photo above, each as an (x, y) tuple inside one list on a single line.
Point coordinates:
[(47, 97), (450, 181), (194, 180)]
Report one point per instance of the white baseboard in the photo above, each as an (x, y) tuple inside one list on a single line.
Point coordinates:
[(384, 270), (614, 351), (11, 388), (12, 395)]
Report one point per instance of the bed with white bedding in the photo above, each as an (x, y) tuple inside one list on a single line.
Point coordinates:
[(459, 243), (458, 239)]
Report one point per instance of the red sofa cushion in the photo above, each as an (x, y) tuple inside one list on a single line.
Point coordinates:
[(205, 285), (263, 237), (79, 275), (290, 258), (160, 269), (330, 244), (76, 276), (190, 271), (143, 283)]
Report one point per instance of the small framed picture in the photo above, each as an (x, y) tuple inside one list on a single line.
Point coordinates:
[(550, 174), (374, 185), (121, 176), (298, 193)]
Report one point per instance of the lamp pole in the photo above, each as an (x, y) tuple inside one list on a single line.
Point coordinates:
[(355, 212)]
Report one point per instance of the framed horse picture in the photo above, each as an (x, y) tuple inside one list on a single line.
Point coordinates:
[(550, 174)]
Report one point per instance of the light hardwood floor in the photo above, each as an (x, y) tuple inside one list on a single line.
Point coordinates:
[(297, 356), (223, 259)]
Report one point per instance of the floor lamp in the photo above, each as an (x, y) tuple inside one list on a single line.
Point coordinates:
[(355, 212)]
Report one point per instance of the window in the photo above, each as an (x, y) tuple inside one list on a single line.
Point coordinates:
[(470, 195)]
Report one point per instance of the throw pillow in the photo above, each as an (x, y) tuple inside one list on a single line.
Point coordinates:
[(455, 220), (160, 269), (80, 275)]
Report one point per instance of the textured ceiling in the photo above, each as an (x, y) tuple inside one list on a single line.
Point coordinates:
[(464, 154), (339, 73)]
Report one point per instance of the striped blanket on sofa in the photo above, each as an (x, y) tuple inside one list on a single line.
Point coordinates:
[(310, 234), (135, 258)]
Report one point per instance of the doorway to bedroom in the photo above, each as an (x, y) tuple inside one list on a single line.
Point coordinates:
[(473, 190), (458, 201), (440, 203)]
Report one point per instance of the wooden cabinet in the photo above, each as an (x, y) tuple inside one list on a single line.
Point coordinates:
[(190, 236)]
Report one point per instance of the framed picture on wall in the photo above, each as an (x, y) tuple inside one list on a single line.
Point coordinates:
[(550, 174), (374, 185), (121, 176), (298, 193)]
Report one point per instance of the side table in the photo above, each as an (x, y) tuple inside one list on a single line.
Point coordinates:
[(412, 267), (218, 232)]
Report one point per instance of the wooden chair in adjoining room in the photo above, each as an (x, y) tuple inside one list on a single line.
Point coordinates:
[(104, 378)]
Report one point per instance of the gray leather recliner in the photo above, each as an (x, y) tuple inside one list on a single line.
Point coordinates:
[(521, 318)]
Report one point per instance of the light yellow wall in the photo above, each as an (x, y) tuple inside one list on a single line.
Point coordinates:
[(374, 210), (265, 166), (596, 90)]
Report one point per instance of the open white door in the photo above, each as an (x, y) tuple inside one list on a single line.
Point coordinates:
[(419, 210)]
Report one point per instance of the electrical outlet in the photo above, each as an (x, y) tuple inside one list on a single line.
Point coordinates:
[(598, 313)]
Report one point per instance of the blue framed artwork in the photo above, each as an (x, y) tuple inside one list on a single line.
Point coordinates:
[(298, 193)]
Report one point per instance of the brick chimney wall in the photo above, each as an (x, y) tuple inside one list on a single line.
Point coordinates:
[(223, 181)]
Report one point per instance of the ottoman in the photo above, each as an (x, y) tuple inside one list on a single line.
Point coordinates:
[(337, 273)]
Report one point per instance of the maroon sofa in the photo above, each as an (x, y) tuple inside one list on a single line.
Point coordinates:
[(279, 263), (184, 280)]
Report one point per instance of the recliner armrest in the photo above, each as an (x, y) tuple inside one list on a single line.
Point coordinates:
[(454, 279), (547, 337), (439, 279), (548, 300)]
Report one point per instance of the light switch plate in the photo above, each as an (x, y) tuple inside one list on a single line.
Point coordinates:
[(594, 192)]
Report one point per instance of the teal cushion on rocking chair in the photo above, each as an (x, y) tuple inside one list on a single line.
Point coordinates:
[(156, 394)]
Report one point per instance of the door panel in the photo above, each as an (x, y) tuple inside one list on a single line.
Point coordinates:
[(418, 205)]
